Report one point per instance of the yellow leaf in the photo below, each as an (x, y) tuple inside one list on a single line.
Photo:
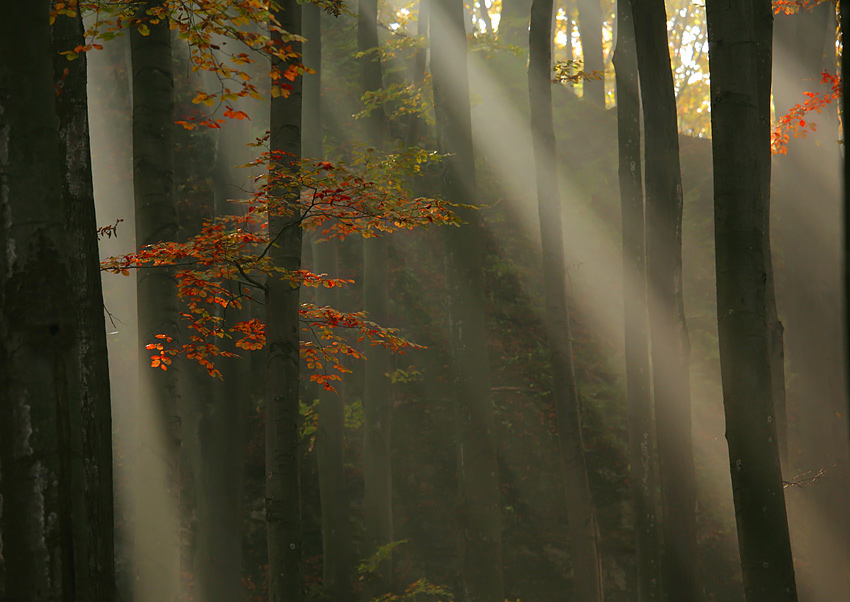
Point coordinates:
[(144, 30)]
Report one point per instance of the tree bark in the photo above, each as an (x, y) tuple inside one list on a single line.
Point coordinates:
[(337, 553), (644, 479), (283, 496), (377, 396), (479, 516), (590, 32), (93, 527), (581, 513), (157, 547), (741, 152), (50, 455), (668, 327)]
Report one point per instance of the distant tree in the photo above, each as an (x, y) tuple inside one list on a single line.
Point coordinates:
[(590, 25), (581, 512), (283, 493), (377, 395), (668, 327), (337, 552), (157, 541), (478, 511), (644, 478), (740, 110)]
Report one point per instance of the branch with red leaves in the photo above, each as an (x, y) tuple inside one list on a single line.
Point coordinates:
[(226, 264), (796, 121)]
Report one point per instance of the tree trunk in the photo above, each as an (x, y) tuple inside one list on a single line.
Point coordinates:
[(337, 554), (741, 149), (419, 62), (377, 399), (644, 479), (283, 496), (581, 513), (479, 517), (513, 23), (157, 547), (56, 463), (590, 31), (670, 343)]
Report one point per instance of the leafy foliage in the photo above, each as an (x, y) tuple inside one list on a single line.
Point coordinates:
[(794, 122), (226, 264)]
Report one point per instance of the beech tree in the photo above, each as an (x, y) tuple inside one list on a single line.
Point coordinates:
[(668, 327), (642, 458), (55, 439), (283, 490), (740, 109), (478, 511), (157, 542), (581, 513), (377, 396)]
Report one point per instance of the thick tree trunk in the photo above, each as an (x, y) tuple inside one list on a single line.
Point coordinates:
[(283, 496), (479, 517), (337, 554), (581, 513), (157, 546), (670, 343), (590, 32), (377, 400), (741, 152), (642, 457), (50, 455)]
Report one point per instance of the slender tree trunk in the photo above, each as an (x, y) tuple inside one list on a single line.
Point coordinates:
[(337, 554), (479, 517), (639, 389), (513, 23), (157, 473), (741, 148), (670, 343), (419, 63), (581, 513), (590, 31), (377, 399), (283, 496), (50, 455)]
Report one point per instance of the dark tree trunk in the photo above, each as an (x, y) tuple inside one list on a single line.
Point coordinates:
[(638, 386), (479, 517), (377, 399), (93, 527), (50, 455), (157, 534), (581, 513), (283, 495), (740, 103), (590, 31), (337, 554), (670, 343)]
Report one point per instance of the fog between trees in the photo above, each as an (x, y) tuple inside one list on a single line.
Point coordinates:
[(612, 368)]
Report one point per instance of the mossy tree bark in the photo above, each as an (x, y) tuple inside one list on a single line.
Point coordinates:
[(479, 516), (56, 461)]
